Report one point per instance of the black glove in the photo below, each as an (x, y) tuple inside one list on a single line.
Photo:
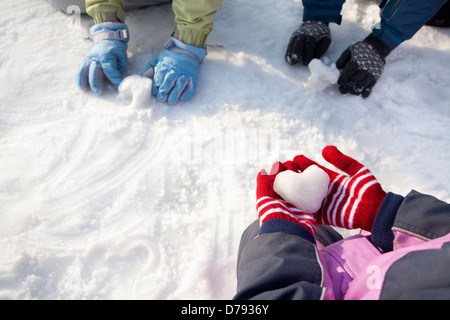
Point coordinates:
[(361, 66), (311, 40)]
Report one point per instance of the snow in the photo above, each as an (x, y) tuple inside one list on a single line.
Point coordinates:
[(122, 197), (135, 91), (322, 76), (305, 190)]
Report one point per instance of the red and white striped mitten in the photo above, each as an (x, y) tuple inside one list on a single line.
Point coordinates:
[(270, 205), (354, 196)]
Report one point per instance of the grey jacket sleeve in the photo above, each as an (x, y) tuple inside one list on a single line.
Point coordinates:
[(419, 214), (423, 215), (278, 265), (421, 274)]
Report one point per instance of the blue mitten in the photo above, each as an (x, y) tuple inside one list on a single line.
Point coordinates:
[(107, 58), (175, 71)]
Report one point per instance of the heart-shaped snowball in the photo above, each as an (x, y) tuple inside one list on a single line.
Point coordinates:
[(305, 190)]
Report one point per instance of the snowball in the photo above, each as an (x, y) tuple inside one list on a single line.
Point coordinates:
[(322, 76), (135, 90), (305, 190)]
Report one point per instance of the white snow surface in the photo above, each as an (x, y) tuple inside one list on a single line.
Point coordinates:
[(122, 197)]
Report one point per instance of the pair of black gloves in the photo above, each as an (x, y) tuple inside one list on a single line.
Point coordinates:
[(361, 64)]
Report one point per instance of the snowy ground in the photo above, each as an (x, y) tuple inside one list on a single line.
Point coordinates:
[(121, 197)]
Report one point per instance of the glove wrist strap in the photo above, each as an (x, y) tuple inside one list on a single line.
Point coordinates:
[(382, 49), (178, 46), (110, 30), (316, 22), (121, 35)]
